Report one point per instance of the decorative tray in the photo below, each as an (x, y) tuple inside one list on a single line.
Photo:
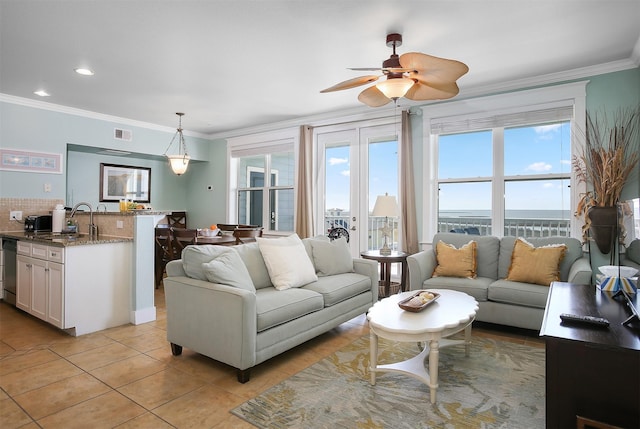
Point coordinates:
[(411, 304)]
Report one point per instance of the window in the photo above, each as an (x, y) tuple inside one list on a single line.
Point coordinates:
[(521, 126), (262, 183), (506, 180)]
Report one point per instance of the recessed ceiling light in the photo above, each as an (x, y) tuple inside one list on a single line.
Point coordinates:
[(84, 72), (41, 93)]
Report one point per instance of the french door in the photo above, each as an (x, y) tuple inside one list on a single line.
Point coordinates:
[(355, 165)]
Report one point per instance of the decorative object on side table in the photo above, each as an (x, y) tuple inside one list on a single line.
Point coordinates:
[(385, 206), (609, 157)]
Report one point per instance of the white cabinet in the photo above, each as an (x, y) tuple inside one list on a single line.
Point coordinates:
[(40, 282)]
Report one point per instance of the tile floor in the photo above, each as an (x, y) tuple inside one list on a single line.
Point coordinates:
[(126, 377)]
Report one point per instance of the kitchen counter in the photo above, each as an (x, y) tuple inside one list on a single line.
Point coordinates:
[(64, 240)]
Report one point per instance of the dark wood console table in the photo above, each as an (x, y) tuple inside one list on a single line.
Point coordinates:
[(592, 373)]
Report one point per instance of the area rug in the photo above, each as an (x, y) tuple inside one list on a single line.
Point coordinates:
[(499, 385)]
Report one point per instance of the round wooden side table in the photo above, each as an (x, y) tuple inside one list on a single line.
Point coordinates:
[(385, 267)]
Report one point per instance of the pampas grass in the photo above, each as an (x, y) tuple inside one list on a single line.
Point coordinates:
[(609, 157)]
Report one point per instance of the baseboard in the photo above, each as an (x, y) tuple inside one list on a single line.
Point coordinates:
[(143, 316)]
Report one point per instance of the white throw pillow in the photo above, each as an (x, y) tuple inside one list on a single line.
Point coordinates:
[(228, 269), (332, 257), (287, 261)]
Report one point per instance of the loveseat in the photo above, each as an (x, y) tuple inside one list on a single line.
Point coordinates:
[(514, 303), (631, 257), (221, 301)]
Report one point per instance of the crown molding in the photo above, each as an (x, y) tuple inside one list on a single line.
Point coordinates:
[(37, 104)]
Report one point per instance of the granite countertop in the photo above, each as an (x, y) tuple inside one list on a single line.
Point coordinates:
[(63, 240), (127, 213)]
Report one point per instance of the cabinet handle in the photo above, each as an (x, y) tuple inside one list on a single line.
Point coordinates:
[(28, 265), (46, 270), (54, 254)]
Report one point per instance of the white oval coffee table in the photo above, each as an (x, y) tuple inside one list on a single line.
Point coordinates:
[(452, 312)]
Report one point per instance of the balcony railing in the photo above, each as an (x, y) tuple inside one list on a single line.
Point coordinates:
[(521, 227)]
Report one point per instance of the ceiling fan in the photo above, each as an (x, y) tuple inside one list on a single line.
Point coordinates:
[(412, 75)]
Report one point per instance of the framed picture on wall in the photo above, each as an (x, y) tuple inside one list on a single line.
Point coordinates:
[(118, 182)]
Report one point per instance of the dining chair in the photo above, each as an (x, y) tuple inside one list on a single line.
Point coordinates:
[(182, 237), (246, 235), (163, 251), (177, 219)]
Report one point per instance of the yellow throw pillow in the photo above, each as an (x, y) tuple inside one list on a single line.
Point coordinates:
[(454, 262), (539, 265)]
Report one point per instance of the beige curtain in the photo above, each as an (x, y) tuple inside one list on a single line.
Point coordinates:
[(304, 209), (407, 189)]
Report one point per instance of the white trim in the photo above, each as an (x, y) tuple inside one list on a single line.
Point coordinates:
[(144, 315), (37, 104)]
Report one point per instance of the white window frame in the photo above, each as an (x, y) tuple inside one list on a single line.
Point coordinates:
[(479, 109), (265, 143)]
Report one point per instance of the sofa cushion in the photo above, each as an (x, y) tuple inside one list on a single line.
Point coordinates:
[(331, 257), (477, 288), (488, 247), (275, 307), (252, 258), (454, 262), (633, 251), (228, 269), (538, 265), (194, 256), (527, 294), (287, 261), (573, 253), (340, 287)]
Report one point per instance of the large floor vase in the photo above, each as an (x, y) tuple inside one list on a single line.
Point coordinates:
[(603, 227)]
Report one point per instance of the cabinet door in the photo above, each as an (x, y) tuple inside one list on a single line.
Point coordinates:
[(55, 300), (39, 280), (23, 283)]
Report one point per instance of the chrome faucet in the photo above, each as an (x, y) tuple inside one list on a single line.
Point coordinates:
[(93, 229)]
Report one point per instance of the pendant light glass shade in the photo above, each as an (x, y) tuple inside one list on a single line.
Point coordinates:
[(179, 162), (396, 87)]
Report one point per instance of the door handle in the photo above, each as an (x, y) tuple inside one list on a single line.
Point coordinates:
[(353, 228)]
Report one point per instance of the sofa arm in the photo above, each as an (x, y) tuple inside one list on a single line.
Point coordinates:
[(175, 269), (368, 267), (421, 266), (580, 272), (212, 319)]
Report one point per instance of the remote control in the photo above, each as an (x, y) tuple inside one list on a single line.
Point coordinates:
[(591, 320)]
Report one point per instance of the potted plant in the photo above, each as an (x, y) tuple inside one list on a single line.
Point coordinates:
[(610, 155)]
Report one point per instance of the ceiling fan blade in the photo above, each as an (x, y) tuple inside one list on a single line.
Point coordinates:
[(373, 97), (422, 91), (351, 83), (429, 69)]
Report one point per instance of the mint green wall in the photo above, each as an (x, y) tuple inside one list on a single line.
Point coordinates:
[(83, 181), (613, 91), (34, 129)]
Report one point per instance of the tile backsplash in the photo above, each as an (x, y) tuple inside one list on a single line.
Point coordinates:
[(112, 224), (28, 206)]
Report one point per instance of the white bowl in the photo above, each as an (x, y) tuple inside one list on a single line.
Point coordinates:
[(616, 271)]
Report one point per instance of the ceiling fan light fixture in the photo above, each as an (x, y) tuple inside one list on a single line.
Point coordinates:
[(180, 161), (395, 88)]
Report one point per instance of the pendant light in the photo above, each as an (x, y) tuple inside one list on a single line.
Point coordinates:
[(180, 161)]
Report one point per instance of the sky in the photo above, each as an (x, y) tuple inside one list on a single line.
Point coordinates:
[(383, 173)]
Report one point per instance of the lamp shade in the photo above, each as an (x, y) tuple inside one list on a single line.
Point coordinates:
[(395, 88), (386, 205), (178, 163)]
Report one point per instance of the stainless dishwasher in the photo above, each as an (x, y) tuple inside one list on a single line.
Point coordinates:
[(9, 247)]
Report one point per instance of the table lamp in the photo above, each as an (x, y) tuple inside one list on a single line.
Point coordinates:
[(385, 206)]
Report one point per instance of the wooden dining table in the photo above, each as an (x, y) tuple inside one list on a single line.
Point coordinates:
[(221, 240)]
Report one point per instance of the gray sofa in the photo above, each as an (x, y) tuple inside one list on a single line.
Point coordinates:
[(243, 328), (500, 301), (631, 257)]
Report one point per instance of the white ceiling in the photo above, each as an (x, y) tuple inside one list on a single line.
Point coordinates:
[(234, 64)]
